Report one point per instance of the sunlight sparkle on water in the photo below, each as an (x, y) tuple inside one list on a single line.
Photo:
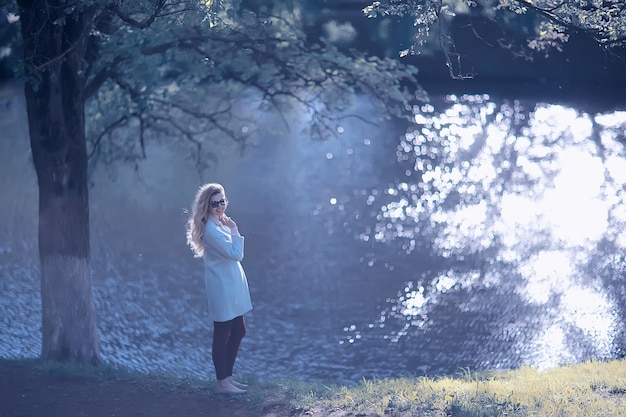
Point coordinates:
[(530, 186), (546, 274), (550, 122), (575, 206), (551, 349), (566, 200), (590, 311), (585, 310), (614, 120)]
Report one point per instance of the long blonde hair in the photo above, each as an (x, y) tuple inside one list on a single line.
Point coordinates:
[(199, 216)]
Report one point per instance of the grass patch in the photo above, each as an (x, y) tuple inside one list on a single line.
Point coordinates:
[(588, 389)]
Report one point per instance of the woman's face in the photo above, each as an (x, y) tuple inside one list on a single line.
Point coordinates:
[(217, 204)]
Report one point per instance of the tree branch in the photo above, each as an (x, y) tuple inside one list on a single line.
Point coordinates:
[(107, 131), (106, 73), (596, 34), (143, 23)]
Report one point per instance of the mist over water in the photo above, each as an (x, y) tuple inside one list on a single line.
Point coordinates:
[(488, 235)]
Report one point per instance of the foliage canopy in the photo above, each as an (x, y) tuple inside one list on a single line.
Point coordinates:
[(545, 23), (168, 68), (150, 63)]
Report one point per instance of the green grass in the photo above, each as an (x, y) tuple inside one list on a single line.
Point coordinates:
[(590, 389)]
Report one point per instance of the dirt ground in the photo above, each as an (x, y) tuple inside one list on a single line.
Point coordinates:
[(26, 391)]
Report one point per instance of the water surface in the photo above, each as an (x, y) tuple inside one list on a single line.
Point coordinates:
[(488, 235)]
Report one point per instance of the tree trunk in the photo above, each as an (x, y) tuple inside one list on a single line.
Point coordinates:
[(54, 48)]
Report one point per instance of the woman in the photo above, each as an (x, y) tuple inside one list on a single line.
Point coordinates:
[(214, 237)]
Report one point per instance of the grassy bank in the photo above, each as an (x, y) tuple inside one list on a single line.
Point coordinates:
[(591, 389)]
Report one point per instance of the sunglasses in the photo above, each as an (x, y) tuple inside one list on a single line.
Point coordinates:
[(223, 202)]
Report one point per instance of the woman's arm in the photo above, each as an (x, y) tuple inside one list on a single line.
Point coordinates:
[(224, 244)]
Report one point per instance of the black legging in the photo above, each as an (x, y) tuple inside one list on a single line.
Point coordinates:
[(227, 336)]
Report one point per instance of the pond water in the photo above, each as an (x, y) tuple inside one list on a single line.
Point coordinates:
[(488, 235)]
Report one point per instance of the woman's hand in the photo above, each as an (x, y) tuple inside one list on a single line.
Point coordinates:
[(228, 222)]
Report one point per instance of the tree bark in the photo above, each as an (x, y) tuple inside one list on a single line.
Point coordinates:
[(54, 49)]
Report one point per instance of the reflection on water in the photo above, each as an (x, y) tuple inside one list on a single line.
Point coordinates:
[(489, 235), (518, 194)]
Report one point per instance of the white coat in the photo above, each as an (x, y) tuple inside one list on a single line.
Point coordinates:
[(226, 283)]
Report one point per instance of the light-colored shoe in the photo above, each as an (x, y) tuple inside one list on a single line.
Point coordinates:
[(225, 387)]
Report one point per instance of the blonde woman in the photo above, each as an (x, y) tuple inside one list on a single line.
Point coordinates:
[(214, 237)]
